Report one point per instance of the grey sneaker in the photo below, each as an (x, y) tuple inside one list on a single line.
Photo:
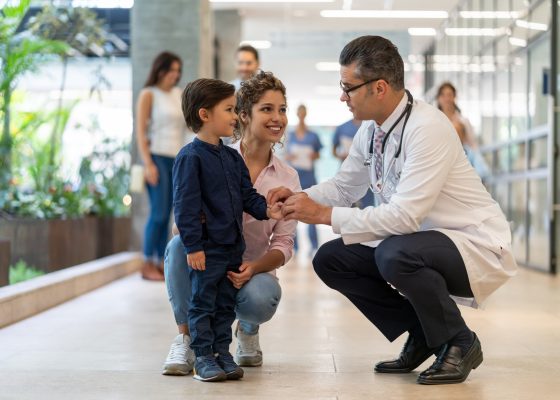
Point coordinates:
[(206, 369), (248, 353), (232, 370), (180, 360)]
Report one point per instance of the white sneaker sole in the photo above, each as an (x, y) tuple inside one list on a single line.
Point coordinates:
[(249, 361), (176, 370)]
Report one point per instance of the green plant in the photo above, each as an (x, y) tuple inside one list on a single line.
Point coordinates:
[(20, 53), (106, 173), (23, 272)]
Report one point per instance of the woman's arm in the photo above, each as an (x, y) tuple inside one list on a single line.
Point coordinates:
[(143, 111)]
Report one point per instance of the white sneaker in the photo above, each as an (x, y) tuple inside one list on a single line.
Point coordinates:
[(248, 352), (180, 360)]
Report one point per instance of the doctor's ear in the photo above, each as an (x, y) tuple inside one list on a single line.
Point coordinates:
[(381, 87)]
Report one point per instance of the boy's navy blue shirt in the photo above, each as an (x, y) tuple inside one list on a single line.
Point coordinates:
[(212, 182)]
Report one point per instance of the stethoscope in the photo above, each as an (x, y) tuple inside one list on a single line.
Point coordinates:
[(378, 188)]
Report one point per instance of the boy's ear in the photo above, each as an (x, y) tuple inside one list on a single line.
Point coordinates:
[(203, 114)]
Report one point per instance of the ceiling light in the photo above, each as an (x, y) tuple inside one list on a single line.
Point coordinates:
[(257, 44), (394, 14), (489, 14), (531, 25), (422, 31), (473, 31), (327, 66), (517, 42)]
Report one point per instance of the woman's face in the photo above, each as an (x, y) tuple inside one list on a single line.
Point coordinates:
[(268, 119), (170, 78), (446, 99)]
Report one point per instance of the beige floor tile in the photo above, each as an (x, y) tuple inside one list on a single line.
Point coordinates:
[(110, 344)]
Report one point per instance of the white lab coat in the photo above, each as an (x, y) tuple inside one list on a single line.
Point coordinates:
[(430, 186)]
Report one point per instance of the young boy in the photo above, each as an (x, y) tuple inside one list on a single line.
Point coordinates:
[(212, 188)]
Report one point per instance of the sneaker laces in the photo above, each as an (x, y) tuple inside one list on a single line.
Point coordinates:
[(248, 343), (177, 353)]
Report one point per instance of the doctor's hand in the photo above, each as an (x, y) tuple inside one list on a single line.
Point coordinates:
[(300, 207), (278, 194)]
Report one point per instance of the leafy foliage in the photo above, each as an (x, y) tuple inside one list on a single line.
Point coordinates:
[(22, 272)]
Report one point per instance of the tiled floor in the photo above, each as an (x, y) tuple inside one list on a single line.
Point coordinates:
[(110, 344)]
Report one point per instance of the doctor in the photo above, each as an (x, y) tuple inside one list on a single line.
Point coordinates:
[(436, 237)]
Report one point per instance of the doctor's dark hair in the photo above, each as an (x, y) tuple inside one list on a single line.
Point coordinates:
[(375, 57), (203, 93), (251, 92)]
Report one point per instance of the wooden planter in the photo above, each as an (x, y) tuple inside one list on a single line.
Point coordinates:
[(113, 235), (4, 262), (50, 245)]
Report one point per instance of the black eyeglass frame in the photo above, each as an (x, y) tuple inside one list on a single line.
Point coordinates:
[(352, 88)]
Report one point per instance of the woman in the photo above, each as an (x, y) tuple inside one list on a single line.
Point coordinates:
[(160, 134), (261, 105), (303, 149), (446, 96)]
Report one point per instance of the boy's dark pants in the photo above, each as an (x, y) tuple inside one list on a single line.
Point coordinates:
[(212, 306)]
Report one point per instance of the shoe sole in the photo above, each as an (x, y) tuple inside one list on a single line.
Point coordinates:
[(248, 362), (382, 370), (235, 375), (176, 371), (475, 365), (215, 378)]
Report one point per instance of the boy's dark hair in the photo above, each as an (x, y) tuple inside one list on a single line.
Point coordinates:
[(250, 49), (203, 93), (375, 57)]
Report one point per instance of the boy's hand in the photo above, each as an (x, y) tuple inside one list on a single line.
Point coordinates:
[(197, 260), (275, 211)]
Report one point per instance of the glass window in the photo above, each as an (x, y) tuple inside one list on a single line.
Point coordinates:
[(501, 195), (518, 95), (538, 153), (487, 109), (518, 157), (517, 215), (501, 102), (539, 247), (541, 18), (502, 164), (539, 79)]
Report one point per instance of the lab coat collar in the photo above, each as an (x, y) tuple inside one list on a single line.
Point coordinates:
[(385, 126)]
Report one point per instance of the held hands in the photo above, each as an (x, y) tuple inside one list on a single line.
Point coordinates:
[(197, 260), (298, 206), (275, 211), (246, 272)]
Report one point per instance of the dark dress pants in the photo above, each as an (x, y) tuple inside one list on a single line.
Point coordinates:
[(402, 284)]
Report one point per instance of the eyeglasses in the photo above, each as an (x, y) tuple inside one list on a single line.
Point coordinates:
[(352, 88)]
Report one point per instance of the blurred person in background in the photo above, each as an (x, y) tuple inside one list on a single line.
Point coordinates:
[(246, 64), (160, 134), (446, 102), (302, 150), (342, 141)]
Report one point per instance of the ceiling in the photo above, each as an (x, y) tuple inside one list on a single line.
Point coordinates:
[(300, 38)]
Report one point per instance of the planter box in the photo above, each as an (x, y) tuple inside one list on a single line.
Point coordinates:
[(4, 262), (114, 235), (50, 245)]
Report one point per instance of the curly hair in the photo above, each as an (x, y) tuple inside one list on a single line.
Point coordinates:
[(249, 94)]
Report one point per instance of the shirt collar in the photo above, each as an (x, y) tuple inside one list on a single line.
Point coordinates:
[(198, 142), (385, 126)]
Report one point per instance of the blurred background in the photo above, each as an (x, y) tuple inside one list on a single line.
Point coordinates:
[(72, 71)]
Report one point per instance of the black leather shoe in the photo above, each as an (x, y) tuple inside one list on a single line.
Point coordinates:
[(413, 354), (451, 366)]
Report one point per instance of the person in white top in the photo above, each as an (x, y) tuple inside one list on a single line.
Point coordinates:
[(247, 64), (436, 232), (160, 133)]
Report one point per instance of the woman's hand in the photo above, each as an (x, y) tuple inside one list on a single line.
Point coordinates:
[(246, 272), (278, 194), (151, 174), (197, 260)]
